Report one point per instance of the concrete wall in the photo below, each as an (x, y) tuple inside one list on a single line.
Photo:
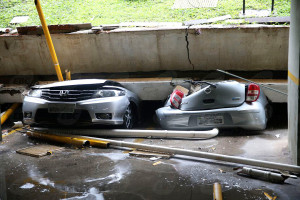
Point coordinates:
[(210, 47)]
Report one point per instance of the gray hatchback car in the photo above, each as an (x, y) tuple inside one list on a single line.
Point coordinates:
[(92, 101), (225, 104)]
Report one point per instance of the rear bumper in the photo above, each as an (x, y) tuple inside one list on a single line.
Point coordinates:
[(114, 105), (247, 116)]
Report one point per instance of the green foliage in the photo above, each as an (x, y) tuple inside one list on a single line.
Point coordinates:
[(100, 12)]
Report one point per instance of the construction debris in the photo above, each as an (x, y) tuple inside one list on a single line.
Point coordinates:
[(156, 163), (217, 191), (54, 29), (150, 154), (264, 175), (269, 20), (19, 19), (39, 150), (18, 124), (206, 21), (269, 196), (170, 150), (81, 142)]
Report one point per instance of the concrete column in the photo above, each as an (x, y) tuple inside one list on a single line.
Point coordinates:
[(293, 81)]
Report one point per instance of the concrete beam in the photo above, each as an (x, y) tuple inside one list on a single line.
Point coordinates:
[(148, 89), (243, 48)]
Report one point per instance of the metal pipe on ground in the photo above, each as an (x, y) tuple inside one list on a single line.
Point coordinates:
[(264, 175), (212, 156), (137, 133), (9, 111), (69, 140), (217, 191)]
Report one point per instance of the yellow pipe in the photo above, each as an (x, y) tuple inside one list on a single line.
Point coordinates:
[(218, 191), (82, 141), (56, 138), (9, 111), (49, 40), (68, 75)]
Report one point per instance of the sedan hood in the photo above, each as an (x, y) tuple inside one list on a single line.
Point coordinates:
[(79, 82)]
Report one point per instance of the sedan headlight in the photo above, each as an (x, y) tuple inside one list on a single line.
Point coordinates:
[(108, 93), (35, 93)]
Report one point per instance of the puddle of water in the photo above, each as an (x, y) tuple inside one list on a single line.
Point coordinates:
[(119, 172), (266, 149), (113, 156), (35, 175), (93, 193)]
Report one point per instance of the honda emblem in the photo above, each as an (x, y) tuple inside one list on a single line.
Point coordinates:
[(63, 93)]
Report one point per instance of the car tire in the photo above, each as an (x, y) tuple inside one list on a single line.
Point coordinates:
[(128, 118)]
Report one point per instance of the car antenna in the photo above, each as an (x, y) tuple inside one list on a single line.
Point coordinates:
[(252, 82)]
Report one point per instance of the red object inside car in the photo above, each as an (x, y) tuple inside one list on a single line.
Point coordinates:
[(176, 98)]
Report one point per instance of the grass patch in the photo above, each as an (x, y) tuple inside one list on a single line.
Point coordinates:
[(100, 12)]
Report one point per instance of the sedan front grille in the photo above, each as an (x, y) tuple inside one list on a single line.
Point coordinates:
[(67, 95)]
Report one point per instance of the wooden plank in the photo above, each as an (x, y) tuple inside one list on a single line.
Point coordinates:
[(39, 150)]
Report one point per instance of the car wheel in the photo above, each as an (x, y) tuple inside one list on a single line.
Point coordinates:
[(128, 118)]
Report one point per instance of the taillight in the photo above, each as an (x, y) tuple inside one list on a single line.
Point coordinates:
[(252, 93), (176, 98)]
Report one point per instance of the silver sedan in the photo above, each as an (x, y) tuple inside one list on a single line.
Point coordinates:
[(95, 101)]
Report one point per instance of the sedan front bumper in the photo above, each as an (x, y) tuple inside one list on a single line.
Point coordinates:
[(115, 106), (250, 116)]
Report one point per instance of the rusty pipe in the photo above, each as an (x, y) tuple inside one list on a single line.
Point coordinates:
[(76, 141), (9, 111), (264, 175), (217, 191)]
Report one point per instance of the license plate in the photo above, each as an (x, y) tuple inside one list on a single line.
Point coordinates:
[(61, 108), (210, 119)]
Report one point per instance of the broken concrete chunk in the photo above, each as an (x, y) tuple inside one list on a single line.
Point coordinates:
[(255, 13), (54, 29), (182, 89), (39, 150), (5, 30), (207, 21), (19, 19), (110, 27), (269, 20)]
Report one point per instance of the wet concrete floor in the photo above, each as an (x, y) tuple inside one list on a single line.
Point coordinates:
[(93, 173)]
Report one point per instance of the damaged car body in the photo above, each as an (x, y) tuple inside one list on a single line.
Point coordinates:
[(225, 104), (89, 101)]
